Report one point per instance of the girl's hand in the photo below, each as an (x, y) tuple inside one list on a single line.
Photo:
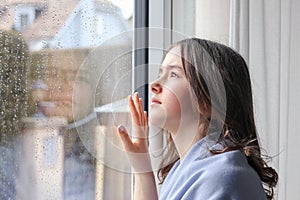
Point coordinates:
[(137, 147)]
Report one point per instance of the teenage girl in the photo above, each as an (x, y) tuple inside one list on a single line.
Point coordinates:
[(202, 98)]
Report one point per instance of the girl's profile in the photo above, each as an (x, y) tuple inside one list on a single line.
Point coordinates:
[(202, 99)]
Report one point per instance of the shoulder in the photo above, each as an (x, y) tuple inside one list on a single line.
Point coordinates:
[(217, 177), (227, 175), (231, 162), (229, 168)]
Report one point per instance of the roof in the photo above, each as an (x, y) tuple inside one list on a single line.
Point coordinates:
[(50, 22), (11, 2)]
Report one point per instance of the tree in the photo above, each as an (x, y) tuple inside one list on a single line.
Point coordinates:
[(14, 56)]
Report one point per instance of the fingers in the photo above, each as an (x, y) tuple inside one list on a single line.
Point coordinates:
[(142, 116), (133, 111), (146, 127), (126, 141), (138, 116), (139, 141), (136, 110), (146, 121), (139, 107), (137, 153)]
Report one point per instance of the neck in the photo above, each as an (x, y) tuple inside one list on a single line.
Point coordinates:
[(185, 137)]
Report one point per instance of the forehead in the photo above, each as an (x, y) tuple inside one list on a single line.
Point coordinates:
[(173, 57)]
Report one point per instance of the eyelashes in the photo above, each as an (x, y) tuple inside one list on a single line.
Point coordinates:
[(171, 74)]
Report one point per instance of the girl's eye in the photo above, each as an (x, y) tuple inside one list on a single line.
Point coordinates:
[(173, 74)]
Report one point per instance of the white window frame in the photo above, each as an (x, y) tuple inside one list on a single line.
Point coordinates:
[(160, 38)]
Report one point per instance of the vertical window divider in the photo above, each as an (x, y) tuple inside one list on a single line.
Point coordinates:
[(141, 50), (140, 56)]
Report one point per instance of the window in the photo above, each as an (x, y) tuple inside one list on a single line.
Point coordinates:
[(23, 21), (64, 80), (38, 12)]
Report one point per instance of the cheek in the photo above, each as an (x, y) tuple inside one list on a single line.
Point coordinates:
[(185, 105), (174, 103)]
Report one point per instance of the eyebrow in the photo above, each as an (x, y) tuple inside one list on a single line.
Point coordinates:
[(170, 67)]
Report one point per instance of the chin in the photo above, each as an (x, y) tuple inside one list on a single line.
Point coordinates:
[(155, 122), (158, 121)]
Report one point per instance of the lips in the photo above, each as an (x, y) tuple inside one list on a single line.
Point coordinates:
[(155, 101)]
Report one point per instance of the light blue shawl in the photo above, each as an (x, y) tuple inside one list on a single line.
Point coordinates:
[(203, 176)]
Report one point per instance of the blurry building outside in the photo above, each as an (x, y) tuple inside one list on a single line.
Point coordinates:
[(61, 162)]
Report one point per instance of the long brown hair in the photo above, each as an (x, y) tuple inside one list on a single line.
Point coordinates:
[(203, 61)]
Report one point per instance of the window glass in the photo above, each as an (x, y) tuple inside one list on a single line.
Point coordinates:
[(65, 70)]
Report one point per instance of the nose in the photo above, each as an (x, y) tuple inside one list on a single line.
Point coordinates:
[(156, 87)]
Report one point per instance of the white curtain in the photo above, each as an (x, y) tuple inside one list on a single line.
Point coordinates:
[(267, 34)]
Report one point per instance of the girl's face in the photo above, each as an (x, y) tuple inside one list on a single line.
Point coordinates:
[(171, 105)]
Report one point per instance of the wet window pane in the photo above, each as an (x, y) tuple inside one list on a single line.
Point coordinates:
[(65, 73)]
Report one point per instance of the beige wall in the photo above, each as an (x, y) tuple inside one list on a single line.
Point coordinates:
[(212, 20), (41, 173)]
